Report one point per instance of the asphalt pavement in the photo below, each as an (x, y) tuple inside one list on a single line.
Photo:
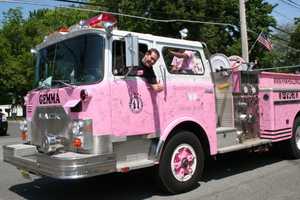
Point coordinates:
[(234, 176)]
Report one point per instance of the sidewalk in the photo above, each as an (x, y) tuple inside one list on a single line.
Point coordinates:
[(7, 141)]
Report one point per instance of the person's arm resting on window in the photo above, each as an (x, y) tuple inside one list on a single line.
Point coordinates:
[(180, 54)]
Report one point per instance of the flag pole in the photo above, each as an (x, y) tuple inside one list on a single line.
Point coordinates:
[(254, 43)]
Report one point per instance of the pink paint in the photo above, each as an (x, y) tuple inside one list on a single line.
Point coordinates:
[(236, 81), (279, 80), (121, 107), (277, 111), (159, 113), (94, 108), (129, 107)]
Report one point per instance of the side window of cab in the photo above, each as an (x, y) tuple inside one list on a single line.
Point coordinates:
[(119, 57), (183, 61)]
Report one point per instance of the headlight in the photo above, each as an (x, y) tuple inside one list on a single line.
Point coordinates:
[(77, 128), (82, 134)]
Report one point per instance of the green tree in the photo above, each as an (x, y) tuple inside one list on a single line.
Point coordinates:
[(294, 54), (224, 39), (12, 44), (17, 37)]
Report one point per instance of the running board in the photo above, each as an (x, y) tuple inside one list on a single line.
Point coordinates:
[(245, 145)]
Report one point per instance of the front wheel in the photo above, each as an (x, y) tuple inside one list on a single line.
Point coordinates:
[(182, 163)]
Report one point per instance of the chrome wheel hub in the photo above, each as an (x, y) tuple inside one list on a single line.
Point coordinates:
[(183, 162)]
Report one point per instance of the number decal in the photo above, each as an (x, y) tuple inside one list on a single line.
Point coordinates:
[(136, 103)]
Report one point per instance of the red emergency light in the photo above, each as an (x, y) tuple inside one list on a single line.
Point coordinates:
[(63, 30), (99, 21)]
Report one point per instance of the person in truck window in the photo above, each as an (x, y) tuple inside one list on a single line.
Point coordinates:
[(183, 61), (146, 71)]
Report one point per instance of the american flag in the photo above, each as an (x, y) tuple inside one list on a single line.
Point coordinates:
[(265, 41)]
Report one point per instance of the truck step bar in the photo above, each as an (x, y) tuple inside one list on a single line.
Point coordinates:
[(246, 144)]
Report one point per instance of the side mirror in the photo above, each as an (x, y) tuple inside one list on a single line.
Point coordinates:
[(132, 50)]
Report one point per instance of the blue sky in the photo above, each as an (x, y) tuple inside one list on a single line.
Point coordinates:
[(283, 13)]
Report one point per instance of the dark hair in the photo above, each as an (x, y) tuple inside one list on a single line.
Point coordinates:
[(152, 50)]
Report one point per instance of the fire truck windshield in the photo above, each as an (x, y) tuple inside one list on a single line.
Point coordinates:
[(75, 61)]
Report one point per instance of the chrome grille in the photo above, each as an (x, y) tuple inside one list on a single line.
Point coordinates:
[(50, 121)]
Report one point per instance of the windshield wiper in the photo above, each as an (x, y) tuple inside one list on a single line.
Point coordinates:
[(45, 84), (41, 87), (63, 83)]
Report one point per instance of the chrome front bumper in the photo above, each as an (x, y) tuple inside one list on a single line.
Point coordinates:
[(67, 165)]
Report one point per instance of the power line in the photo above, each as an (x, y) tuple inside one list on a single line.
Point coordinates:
[(277, 41), (282, 15), (287, 46), (81, 2), (282, 30), (124, 15), (290, 4), (284, 67), (28, 3), (279, 38), (294, 3), (128, 10)]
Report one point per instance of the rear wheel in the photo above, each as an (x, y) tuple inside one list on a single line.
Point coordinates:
[(181, 164), (294, 142)]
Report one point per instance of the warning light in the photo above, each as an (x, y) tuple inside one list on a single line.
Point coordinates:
[(63, 30), (77, 142), (101, 21)]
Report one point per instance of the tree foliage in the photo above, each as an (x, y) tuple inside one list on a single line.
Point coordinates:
[(224, 39), (294, 54), (17, 37)]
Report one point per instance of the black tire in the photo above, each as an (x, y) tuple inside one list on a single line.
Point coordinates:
[(293, 149), (166, 177), (3, 129)]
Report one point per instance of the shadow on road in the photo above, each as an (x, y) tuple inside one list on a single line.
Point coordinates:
[(238, 162), (133, 185), (136, 185)]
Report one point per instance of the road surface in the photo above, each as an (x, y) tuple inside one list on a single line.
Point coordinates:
[(235, 176)]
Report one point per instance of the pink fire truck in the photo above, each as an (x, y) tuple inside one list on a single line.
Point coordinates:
[(87, 116)]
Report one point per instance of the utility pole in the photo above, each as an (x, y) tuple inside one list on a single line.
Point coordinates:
[(244, 30)]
